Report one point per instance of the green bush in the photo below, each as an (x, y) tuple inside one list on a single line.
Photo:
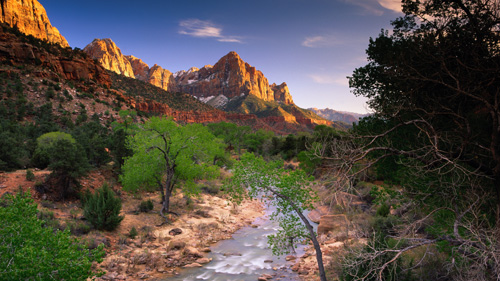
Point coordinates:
[(146, 206), (30, 251), (102, 209), (30, 176), (133, 233), (383, 210)]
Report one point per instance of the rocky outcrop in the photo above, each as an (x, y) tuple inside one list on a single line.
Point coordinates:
[(231, 77), (140, 68), (332, 223), (161, 78), (16, 52), (282, 93), (110, 56), (30, 17)]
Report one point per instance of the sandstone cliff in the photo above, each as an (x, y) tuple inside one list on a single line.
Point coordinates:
[(161, 78), (30, 17), (110, 56), (282, 93)]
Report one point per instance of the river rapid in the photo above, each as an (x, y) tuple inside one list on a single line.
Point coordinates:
[(244, 257)]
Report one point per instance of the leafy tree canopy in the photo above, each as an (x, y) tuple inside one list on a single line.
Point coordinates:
[(165, 153)]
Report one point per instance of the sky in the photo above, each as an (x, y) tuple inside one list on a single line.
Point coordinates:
[(312, 45)]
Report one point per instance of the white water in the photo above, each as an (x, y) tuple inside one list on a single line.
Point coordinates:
[(244, 257)]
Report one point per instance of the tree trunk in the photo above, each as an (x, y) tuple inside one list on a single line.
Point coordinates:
[(317, 248), (319, 254)]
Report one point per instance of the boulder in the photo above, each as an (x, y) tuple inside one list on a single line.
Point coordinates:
[(329, 223), (203, 260), (176, 245), (194, 264), (316, 214), (175, 231), (192, 252)]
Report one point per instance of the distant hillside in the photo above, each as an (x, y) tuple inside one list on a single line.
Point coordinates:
[(334, 115)]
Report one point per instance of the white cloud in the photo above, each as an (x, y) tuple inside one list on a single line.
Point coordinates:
[(329, 79), (377, 7), (205, 29), (394, 5), (320, 41)]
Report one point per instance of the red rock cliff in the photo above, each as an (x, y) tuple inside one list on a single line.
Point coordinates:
[(14, 51), (30, 18)]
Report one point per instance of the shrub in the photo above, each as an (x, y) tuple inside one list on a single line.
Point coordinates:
[(133, 233), (102, 209), (30, 176), (146, 206), (383, 210)]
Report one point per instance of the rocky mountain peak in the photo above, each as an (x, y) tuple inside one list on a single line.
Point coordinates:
[(110, 56), (30, 17), (282, 93), (230, 77)]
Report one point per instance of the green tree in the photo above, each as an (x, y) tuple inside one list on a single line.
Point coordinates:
[(102, 209), (165, 153), (433, 83), (254, 142), (64, 156), (232, 134), (291, 194), (93, 137), (30, 251), (118, 138)]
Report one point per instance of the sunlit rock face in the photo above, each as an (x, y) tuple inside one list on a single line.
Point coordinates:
[(230, 77), (30, 17), (282, 93), (110, 56), (162, 78)]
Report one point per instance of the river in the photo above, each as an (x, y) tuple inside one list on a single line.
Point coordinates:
[(244, 257)]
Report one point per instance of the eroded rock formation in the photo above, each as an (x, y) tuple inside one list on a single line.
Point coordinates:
[(30, 17), (110, 56)]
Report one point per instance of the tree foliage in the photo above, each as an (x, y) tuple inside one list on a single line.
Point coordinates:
[(102, 208), (64, 156), (30, 251), (433, 84), (166, 153)]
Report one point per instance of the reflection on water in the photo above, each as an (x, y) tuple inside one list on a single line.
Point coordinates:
[(245, 257)]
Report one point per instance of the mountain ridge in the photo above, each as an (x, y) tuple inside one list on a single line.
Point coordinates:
[(336, 115)]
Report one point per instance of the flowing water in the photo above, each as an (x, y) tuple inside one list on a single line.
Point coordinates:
[(244, 257)]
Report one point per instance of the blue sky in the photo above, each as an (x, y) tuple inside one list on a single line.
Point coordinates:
[(312, 45)]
